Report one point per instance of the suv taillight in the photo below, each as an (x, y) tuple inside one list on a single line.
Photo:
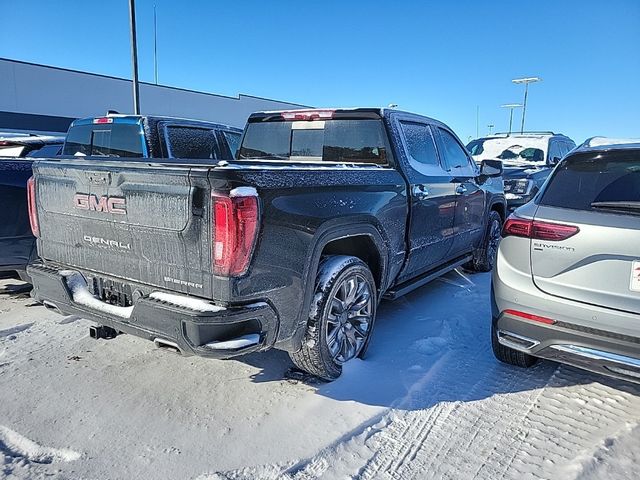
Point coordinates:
[(31, 202), (235, 229), (537, 230)]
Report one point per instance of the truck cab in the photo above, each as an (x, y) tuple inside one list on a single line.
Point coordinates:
[(146, 136)]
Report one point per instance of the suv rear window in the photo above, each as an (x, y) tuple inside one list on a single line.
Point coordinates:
[(585, 183), (108, 140), (357, 141)]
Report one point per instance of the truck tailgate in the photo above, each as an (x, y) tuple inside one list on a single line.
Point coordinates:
[(136, 221)]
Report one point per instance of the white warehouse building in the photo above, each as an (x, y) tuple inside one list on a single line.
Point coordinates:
[(39, 98)]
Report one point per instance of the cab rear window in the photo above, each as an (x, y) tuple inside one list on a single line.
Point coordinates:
[(107, 140), (587, 183), (352, 141)]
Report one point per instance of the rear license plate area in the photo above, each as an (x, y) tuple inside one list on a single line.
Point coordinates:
[(111, 292)]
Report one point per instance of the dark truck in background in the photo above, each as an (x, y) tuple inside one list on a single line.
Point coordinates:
[(150, 136), (291, 245), (17, 152), (110, 136)]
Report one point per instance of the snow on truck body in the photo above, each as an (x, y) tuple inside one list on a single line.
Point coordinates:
[(246, 236)]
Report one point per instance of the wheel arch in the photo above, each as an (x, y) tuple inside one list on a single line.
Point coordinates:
[(500, 208), (345, 237)]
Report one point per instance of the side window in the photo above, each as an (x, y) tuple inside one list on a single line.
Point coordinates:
[(554, 150), (455, 155), (564, 149), (420, 146), (233, 140), (190, 142)]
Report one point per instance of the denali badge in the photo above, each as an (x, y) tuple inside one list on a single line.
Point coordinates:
[(104, 204), (105, 242)]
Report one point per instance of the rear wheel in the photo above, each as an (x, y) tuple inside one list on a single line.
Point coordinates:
[(341, 318), (485, 257), (509, 355)]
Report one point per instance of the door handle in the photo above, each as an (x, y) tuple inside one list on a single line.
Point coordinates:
[(420, 191), (460, 189)]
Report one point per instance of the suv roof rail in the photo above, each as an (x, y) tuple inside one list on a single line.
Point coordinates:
[(528, 132)]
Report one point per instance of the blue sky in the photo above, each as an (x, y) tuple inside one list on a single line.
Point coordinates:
[(440, 58)]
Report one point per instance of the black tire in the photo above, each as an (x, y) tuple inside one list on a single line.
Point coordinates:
[(336, 277), (484, 258), (509, 355)]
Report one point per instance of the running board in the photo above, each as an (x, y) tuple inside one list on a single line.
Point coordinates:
[(410, 285)]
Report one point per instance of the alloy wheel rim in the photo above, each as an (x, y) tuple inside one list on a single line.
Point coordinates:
[(349, 318), (494, 240)]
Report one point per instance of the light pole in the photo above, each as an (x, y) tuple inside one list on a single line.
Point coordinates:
[(134, 57), (526, 81), (511, 107), (490, 127)]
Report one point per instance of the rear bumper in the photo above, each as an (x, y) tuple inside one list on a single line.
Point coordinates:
[(216, 334), (589, 337)]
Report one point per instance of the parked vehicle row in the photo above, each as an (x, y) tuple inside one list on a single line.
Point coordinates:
[(289, 234), (290, 245)]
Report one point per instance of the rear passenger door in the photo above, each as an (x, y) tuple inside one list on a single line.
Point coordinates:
[(470, 198), (432, 200)]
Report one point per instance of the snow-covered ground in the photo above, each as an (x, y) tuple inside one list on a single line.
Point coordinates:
[(428, 402)]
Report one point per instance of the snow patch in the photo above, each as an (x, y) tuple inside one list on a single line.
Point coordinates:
[(15, 445), (615, 457), (197, 304), (243, 192), (236, 343), (430, 345), (82, 296)]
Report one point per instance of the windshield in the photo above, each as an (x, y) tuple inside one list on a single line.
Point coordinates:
[(109, 140), (512, 149), (326, 140)]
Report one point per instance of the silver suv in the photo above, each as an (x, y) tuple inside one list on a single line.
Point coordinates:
[(566, 285)]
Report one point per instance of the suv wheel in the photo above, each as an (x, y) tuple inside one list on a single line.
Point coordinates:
[(509, 355), (341, 318), (485, 257)]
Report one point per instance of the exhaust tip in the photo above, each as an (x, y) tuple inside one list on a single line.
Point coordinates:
[(167, 345), (515, 341)]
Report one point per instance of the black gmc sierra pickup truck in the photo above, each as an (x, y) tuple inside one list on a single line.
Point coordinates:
[(290, 245)]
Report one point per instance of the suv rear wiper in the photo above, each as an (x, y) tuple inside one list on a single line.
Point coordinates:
[(629, 207)]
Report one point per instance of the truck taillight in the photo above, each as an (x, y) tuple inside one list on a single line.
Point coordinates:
[(537, 230), (31, 199), (235, 229)]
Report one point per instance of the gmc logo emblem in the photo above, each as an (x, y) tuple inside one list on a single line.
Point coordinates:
[(105, 204)]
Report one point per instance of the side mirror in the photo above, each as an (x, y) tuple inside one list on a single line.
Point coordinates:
[(491, 168), (554, 161)]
